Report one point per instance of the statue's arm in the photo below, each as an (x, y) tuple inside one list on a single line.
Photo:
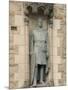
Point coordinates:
[(47, 55), (31, 43)]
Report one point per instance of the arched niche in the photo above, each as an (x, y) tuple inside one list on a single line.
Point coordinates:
[(32, 11)]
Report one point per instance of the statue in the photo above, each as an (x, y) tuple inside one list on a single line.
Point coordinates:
[(39, 54)]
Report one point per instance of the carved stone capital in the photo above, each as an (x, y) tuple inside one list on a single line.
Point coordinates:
[(38, 9)]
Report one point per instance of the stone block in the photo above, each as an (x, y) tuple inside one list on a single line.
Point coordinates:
[(60, 6), (57, 60), (13, 49), (21, 68), (13, 84), (56, 82), (19, 40), (60, 11), (57, 76), (15, 8), (11, 77), (11, 59), (59, 51), (21, 84), (61, 67), (22, 50), (56, 24), (54, 51), (13, 68), (61, 82), (20, 59), (11, 19), (55, 68), (18, 20)]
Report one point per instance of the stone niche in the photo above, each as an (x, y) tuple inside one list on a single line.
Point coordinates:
[(44, 10), (23, 19)]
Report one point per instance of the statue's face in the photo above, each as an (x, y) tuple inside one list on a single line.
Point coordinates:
[(40, 23)]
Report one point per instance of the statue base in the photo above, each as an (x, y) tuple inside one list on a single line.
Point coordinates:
[(40, 85)]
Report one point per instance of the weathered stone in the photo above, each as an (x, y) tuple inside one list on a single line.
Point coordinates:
[(21, 25), (61, 82), (13, 68), (13, 84), (14, 49), (60, 11), (15, 8), (61, 68)]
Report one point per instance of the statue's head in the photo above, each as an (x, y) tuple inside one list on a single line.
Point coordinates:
[(40, 22)]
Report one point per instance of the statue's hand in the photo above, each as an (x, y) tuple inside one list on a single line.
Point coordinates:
[(47, 70), (31, 53), (47, 57)]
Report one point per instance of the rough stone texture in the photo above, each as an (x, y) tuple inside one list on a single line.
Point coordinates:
[(59, 17), (18, 74), (19, 29)]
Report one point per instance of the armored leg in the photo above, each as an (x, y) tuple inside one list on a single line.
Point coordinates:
[(35, 77), (42, 74), (38, 74)]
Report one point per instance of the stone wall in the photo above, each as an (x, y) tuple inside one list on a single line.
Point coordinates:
[(59, 40), (19, 46)]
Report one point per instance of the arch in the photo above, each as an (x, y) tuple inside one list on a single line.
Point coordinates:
[(29, 8), (40, 10)]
